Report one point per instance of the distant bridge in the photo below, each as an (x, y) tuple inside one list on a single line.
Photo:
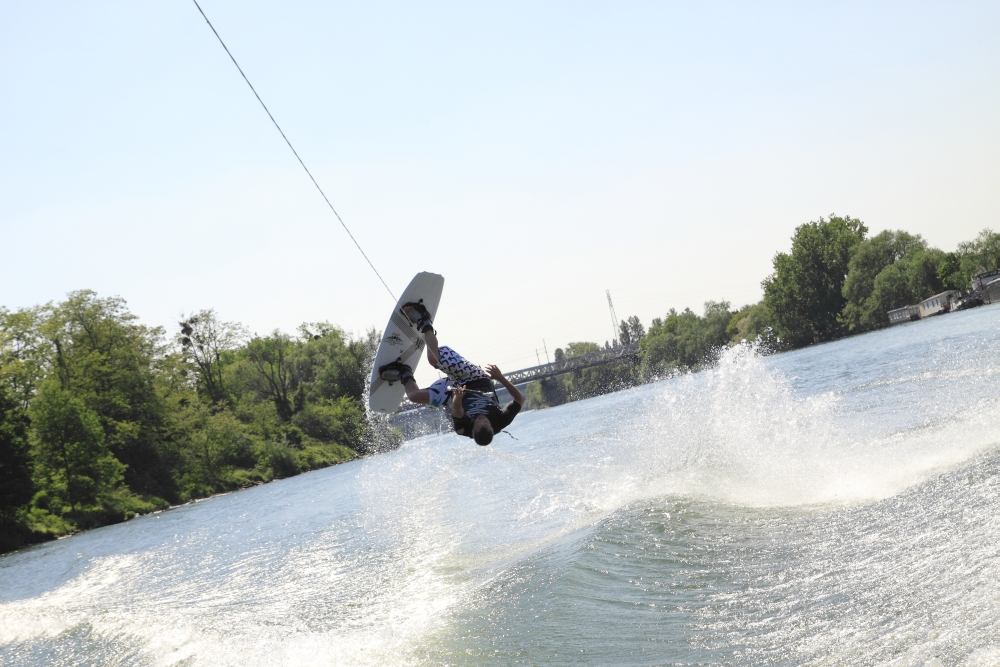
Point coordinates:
[(589, 360), (555, 368)]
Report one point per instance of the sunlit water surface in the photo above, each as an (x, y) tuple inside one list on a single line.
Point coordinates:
[(837, 505)]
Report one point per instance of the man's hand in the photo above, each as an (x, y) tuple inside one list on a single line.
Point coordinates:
[(495, 373), (457, 410)]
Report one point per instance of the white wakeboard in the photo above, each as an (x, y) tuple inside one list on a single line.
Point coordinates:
[(402, 342)]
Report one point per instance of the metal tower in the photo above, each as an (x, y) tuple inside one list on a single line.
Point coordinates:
[(614, 319)]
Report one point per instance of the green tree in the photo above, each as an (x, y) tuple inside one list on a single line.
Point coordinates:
[(906, 280), (102, 356), (339, 420), (214, 445), (684, 339), (16, 487), (24, 353), (891, 290), (752, 323), (922, 272), (74, 466), (270, 373), (804, 295), (330, 364), (205, 342), (581, 348), (624, 335), (105, 400), (714, 326), (868, 260), (631, 330), (582, 383), (951, 272), (548, 392), (982, 253)]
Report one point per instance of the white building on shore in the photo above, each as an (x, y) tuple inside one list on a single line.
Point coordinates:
[(937, 304)]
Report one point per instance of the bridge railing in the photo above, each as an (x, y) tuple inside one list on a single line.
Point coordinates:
[(573, 363)]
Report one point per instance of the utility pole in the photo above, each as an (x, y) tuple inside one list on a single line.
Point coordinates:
[(614, 319), (537, 358), (546, 351)]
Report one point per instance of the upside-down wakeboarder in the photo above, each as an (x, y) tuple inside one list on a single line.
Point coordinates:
[(474, 410)]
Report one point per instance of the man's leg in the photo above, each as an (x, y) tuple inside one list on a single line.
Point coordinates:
[(435, 395), (430, 336), (433, 352), (415, 393)]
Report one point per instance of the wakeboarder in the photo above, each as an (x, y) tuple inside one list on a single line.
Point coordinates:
[(475, 410)]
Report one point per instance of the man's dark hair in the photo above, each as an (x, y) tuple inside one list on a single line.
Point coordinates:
[(483, 436)]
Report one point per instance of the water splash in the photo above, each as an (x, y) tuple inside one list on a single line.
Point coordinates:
[(752, 504), (380, 435)]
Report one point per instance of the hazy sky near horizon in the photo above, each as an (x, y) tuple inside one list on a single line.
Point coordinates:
[(535, 154)]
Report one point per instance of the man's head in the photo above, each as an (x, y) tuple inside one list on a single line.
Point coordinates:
[(482, 430)]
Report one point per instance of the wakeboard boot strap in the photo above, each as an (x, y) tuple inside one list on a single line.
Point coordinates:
[(417, 313), (395, 371)]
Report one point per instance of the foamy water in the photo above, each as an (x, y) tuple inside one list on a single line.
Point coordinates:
[(836, 505)]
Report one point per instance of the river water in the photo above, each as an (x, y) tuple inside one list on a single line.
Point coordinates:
[(838, 505)]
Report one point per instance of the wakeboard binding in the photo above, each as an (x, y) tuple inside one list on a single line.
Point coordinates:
[(395, 371), (417, 313)]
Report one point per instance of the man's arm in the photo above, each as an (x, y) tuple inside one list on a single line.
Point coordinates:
[(495, 373), (457, 411)]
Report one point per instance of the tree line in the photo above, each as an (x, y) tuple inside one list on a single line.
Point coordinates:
[(102, 417), (836, 281)]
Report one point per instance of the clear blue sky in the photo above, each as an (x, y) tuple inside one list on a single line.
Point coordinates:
[(536, 154)]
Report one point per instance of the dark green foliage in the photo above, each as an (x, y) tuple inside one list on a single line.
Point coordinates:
[(101, 356), (101, 420), (980, 255), (922, 280), (602, 379), (685, 340), (586, 382), (75, 467), (548, 392), (338, 420), (631, 331), (752, 323), (331, 365), (23, 352), (869, 259), (269, 372), (804, 295), (887, 271), (952, 273), (16, 487), (206, 345)]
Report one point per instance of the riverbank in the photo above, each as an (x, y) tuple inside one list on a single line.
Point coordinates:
[(36, 527), (103, 418)]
